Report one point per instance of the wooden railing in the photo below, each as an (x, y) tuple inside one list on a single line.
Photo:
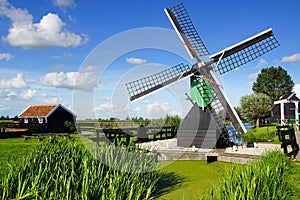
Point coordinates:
[(141, 134), (16, 125)]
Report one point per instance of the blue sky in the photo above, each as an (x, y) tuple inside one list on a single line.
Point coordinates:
[(50, 47)]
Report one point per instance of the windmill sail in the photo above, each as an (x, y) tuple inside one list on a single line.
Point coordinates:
[(149, 84), (186, 31), (244, 52)]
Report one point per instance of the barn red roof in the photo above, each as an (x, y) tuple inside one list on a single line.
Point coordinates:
[(40, 110)]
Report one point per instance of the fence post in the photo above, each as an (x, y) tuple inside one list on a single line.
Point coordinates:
[(97, 136)]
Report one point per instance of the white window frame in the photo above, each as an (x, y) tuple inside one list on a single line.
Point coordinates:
[(40, 119)]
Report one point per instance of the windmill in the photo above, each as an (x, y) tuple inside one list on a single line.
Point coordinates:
[(208, 95)]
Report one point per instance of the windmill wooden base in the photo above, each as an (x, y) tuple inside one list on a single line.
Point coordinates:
[(198, 129)]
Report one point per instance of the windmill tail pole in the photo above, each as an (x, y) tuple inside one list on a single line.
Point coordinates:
[(189, 98)]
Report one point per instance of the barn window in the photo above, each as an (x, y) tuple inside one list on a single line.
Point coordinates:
[(26, 120), (40, 119)]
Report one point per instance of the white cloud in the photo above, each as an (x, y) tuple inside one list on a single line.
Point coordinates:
[(57, 67), (46, 33), (9, 94), (64, 55), (70, 80), (6, 56), (104, 110), (158, 110), (26, 95), (103, 107), (64, 3), (296, 89), (250, 83), (253, 76), (138, 109), (295, 58), (72, 19), (261, 63), (88, 69), (16, 82), (51, 100), (136, 61), (174, 113)]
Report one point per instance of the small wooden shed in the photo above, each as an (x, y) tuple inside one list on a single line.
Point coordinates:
[(286, 108), (50, 117)]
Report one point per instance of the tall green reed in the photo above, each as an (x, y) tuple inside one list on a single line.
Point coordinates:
[(62, 169), (266, 178)]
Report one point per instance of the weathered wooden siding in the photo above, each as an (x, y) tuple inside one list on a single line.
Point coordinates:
[(197, 129)]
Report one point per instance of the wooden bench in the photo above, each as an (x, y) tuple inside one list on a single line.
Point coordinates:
[(38, 137), (26, 136), (65, 135)]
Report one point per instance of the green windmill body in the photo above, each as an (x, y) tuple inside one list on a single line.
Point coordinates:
[(201, 91)]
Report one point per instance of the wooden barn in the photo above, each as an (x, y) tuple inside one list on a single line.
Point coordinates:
[(286, 108), (46, 117)]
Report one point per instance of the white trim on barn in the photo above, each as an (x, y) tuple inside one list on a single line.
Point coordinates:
[(285, 101), (19, 115), (59, 105)]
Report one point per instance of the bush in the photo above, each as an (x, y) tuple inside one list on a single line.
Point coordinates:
[(62, 169), (69, 127), (266, 178)]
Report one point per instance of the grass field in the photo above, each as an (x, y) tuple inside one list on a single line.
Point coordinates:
[(265, 133), (14, 148), (180, 180)]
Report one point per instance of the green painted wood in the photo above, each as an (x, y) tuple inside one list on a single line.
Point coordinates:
[(201, 91)]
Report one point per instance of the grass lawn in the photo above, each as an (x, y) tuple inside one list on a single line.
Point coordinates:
[(190, 179), (261, 134), (265, 133), (14, 148)]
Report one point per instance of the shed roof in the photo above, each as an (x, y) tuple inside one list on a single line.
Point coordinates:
[(289, 96), (38, 110)]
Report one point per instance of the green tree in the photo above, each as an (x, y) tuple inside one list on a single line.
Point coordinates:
[(256, 106), (238, 110), (172, 121), (274, 82)]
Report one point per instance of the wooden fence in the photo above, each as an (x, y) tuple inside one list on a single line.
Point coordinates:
[(141, 134), (31, 126)]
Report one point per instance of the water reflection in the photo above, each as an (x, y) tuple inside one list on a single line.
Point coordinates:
[(234, 137)]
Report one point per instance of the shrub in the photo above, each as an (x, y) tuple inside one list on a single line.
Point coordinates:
[(69, 127)]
